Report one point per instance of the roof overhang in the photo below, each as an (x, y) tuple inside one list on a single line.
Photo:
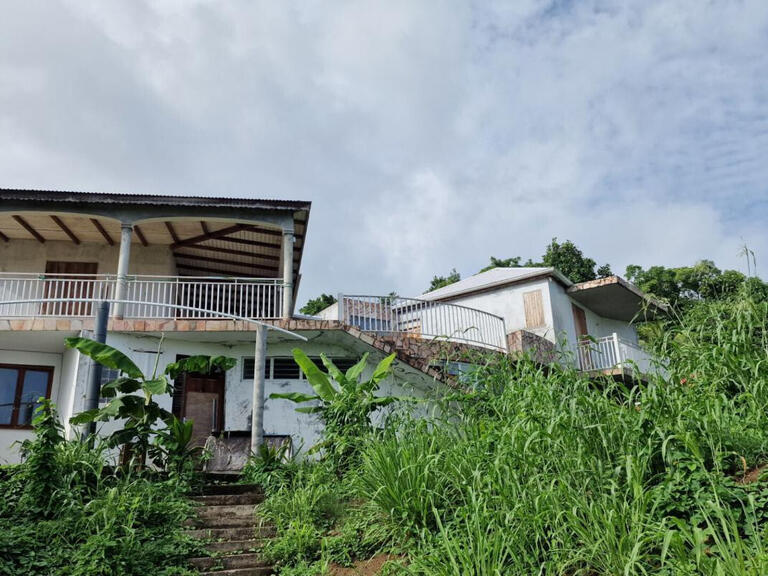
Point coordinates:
[(208, 236), (614, 297)]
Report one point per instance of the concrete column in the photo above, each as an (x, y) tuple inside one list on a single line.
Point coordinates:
[(288, 239), (122, 268), (257, 416)]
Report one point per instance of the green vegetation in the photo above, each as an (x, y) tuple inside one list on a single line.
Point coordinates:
[(442, 281), (317, 305), (65, 511), (542, 471)]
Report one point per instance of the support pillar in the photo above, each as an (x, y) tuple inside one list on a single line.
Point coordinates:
[(257, 416), (288, 240), (124, 258), (93, 391)]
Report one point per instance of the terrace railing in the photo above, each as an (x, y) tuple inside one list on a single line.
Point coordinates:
[(151, 296), (423, 319), (612, 352)]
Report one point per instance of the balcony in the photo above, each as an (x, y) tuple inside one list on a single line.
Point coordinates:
[(390, 315), (612, 353), (147, 297)]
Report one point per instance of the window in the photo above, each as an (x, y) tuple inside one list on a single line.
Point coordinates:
[(534, 309), (20, 389), (249, 364), (287, 369)]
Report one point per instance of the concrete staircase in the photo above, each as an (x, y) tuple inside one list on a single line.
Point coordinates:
[(226, 518)]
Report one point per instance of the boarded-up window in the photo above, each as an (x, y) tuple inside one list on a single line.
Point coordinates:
[(534, 309)]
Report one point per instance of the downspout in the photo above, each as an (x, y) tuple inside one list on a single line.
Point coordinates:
[(93, 391)]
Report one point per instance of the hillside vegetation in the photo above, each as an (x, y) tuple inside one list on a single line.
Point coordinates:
[(536, 471)]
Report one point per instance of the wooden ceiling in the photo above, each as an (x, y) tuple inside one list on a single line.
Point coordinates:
[(200, 247)]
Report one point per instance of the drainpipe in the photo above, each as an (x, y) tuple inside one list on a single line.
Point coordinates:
[(93, 391), (617, 351), (288, 239), (122, 267), (257, 416)]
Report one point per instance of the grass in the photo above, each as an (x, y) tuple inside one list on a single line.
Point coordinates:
[(547, 472), (65, 512)]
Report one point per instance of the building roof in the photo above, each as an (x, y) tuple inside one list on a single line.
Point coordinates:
[(610, 297), (493, 278), (31, 195)]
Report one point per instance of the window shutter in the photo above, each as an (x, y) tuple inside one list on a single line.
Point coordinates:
[(534, 309)]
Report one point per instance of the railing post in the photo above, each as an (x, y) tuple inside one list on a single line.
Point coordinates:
[(123, 261), (617, 351)]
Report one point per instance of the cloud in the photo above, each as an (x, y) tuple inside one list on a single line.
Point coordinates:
[(426, 137)]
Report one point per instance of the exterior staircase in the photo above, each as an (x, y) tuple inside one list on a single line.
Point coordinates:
[(226, 520)]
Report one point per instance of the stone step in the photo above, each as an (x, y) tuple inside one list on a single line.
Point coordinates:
[(233, 533), (229, 562), (261, 571), (233, 546), (221, 522), (216, 489), (252, 498), (226, 510)]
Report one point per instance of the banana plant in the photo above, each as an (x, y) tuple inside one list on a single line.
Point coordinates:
[(343, 401), (139, 410)]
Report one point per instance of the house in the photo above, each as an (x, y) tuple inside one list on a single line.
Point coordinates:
[(219, 276), (183, 276), (594, 322)]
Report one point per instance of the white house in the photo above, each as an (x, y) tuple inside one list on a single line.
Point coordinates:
[(594, 320), (191, 275)]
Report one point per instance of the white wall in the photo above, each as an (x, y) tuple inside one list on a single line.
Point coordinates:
[(9, 438), (31, 256), (507, 302)]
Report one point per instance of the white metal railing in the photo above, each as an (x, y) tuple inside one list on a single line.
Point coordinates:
[(148, 296), (611, 352), (424, 319)]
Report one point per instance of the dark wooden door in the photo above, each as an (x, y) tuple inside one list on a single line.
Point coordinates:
[(69, 282), (203, 403)]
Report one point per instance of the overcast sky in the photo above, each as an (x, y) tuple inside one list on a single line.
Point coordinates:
[(427, 135)]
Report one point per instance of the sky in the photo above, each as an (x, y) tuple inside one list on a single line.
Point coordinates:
[(428, 135)]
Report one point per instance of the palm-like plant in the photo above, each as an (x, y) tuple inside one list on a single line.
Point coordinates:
[(139, 411), (343, 401)]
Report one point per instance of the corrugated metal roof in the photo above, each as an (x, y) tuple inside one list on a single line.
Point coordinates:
[(491, 278), (110, 197)]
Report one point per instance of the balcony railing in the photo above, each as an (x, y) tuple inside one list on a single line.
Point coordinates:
[(612, 352), (72, 295), (423, 319)]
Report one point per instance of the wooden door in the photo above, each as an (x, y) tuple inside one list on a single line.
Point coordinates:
[(583, 349), (69, 283), (203, 403)]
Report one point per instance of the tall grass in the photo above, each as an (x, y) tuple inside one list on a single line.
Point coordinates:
[(544, 471)]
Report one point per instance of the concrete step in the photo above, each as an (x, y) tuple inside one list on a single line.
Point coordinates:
[(262, 571), (234, 546), (230, 499), (226, 510), (221, 522), (233, 533), (215, 489), (229, 562)]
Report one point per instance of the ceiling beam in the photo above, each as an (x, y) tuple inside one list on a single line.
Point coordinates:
[(204, 227), (208, 236), (4, 238), (24, 224), (104, 233), (214, 271), (140, 235), (233, 252), (248, 265), (172, 232), (65, 228)]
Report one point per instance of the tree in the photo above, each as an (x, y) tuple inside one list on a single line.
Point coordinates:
[(569, 260), (442, 281), (317, 305), (344, 401), (702, 281), (502, 263), (604, 271), (139, 413)]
